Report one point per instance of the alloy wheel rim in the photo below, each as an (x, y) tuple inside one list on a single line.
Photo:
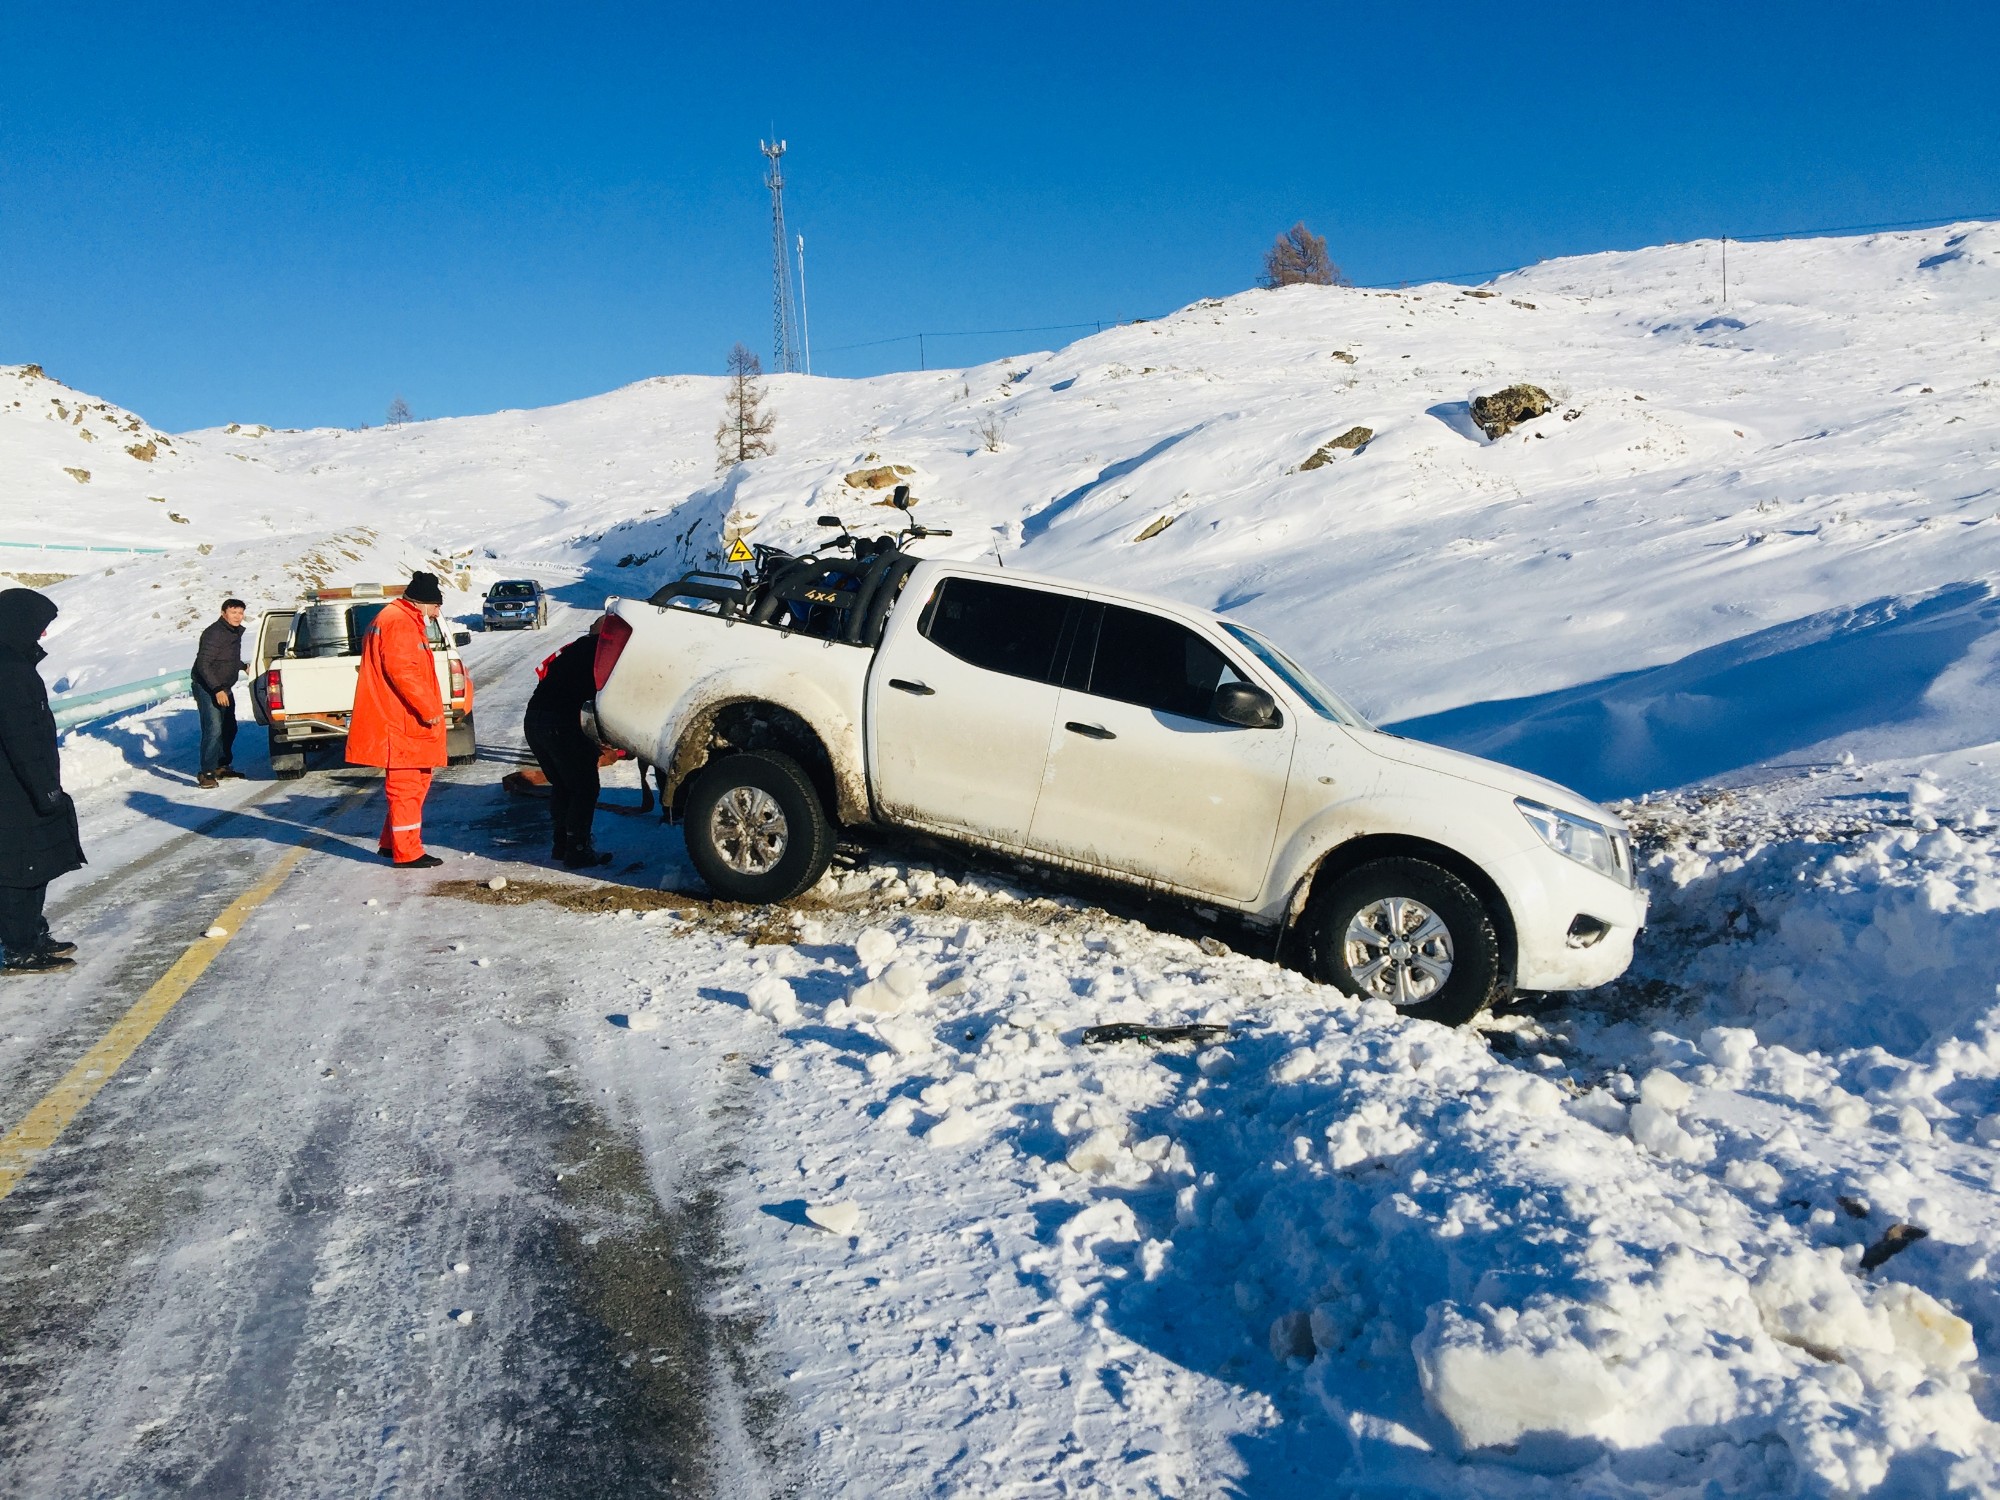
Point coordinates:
[(1398, 950), (749, 830)]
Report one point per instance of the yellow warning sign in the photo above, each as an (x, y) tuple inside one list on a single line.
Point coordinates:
[(739, 551)]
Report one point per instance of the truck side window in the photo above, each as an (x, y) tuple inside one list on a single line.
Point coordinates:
[(998, 627), (1156, 663)]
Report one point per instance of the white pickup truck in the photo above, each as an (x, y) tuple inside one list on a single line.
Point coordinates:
[(302, 675), (1128, 737)]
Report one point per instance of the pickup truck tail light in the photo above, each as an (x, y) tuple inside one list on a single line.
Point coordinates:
[(274, 692), (457, 681), (611, 639)]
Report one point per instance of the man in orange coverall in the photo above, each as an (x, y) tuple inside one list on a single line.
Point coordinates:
[(398, 721)]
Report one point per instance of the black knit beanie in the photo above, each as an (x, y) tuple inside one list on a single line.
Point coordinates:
[(423, 589)]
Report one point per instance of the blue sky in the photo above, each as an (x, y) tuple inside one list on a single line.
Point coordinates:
[(291, 214)]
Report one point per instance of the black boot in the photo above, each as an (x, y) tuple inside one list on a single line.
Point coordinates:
[(560, 849), (35, 963), (585, 856)]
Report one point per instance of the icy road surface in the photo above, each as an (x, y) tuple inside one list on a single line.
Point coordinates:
[(351, 1222)]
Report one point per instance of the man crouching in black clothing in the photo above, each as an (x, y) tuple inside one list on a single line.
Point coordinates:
[(568, 756)]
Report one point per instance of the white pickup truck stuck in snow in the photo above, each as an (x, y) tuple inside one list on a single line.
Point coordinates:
[(302, 677), (1126, 737)]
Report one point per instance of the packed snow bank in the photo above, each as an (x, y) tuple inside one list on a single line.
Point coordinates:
[(1338, 1250), (1890, 939)]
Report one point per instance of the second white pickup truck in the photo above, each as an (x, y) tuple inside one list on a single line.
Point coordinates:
[(302, 678), (1124, 736)]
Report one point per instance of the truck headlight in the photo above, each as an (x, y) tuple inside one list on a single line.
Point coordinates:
[(1603, 849)]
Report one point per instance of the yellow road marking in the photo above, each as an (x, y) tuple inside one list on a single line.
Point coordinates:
[(23, 1146)]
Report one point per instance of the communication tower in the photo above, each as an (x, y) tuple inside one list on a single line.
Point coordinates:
[(785, 342)]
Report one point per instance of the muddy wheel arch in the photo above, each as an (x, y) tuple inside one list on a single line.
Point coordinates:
[(739, 724)]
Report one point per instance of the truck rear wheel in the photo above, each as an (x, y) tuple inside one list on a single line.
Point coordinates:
[(756, 831), (287, 763), (1408, 932), (461, 744)]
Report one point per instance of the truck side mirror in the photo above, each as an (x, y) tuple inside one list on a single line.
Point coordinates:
[(1243, 704), (461, 638)]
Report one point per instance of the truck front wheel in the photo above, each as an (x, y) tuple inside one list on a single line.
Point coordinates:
[(1409, 932), (756, 831)]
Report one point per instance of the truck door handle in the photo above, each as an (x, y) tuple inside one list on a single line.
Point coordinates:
[(922, 690), (1090, 731)]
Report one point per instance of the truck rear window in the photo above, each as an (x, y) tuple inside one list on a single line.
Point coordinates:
[(999, 627)]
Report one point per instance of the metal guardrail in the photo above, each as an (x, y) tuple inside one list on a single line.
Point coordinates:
[(72, 709), (81, 547)]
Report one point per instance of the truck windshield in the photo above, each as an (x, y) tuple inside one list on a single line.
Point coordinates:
[(1323, 700), (511, 591)]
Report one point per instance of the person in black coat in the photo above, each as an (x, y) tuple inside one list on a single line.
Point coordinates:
[(38, 834), (568, 756), (218, 662)]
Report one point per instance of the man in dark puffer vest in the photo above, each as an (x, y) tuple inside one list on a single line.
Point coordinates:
[(38, 834)]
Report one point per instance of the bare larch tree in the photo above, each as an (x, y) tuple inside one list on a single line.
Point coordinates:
[(745, 431), (1300, 255), (399, 412)]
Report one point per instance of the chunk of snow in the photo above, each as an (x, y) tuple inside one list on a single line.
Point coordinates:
[(1097, 1153), (910, 1036), (1925, 1329), (1496, 1386), (1807, 1299), (1110, 1219), (899, 988), (1660, 1133), (1293, 1066), (955, 1129), (1602, 1110), (835, 1218), (1753, 1176), (216, 932), (874, 948), (773, 999), (1666, 1091), (497, 883), (1729, 1047)]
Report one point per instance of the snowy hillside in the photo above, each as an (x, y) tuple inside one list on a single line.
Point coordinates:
[(1749, 563)]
